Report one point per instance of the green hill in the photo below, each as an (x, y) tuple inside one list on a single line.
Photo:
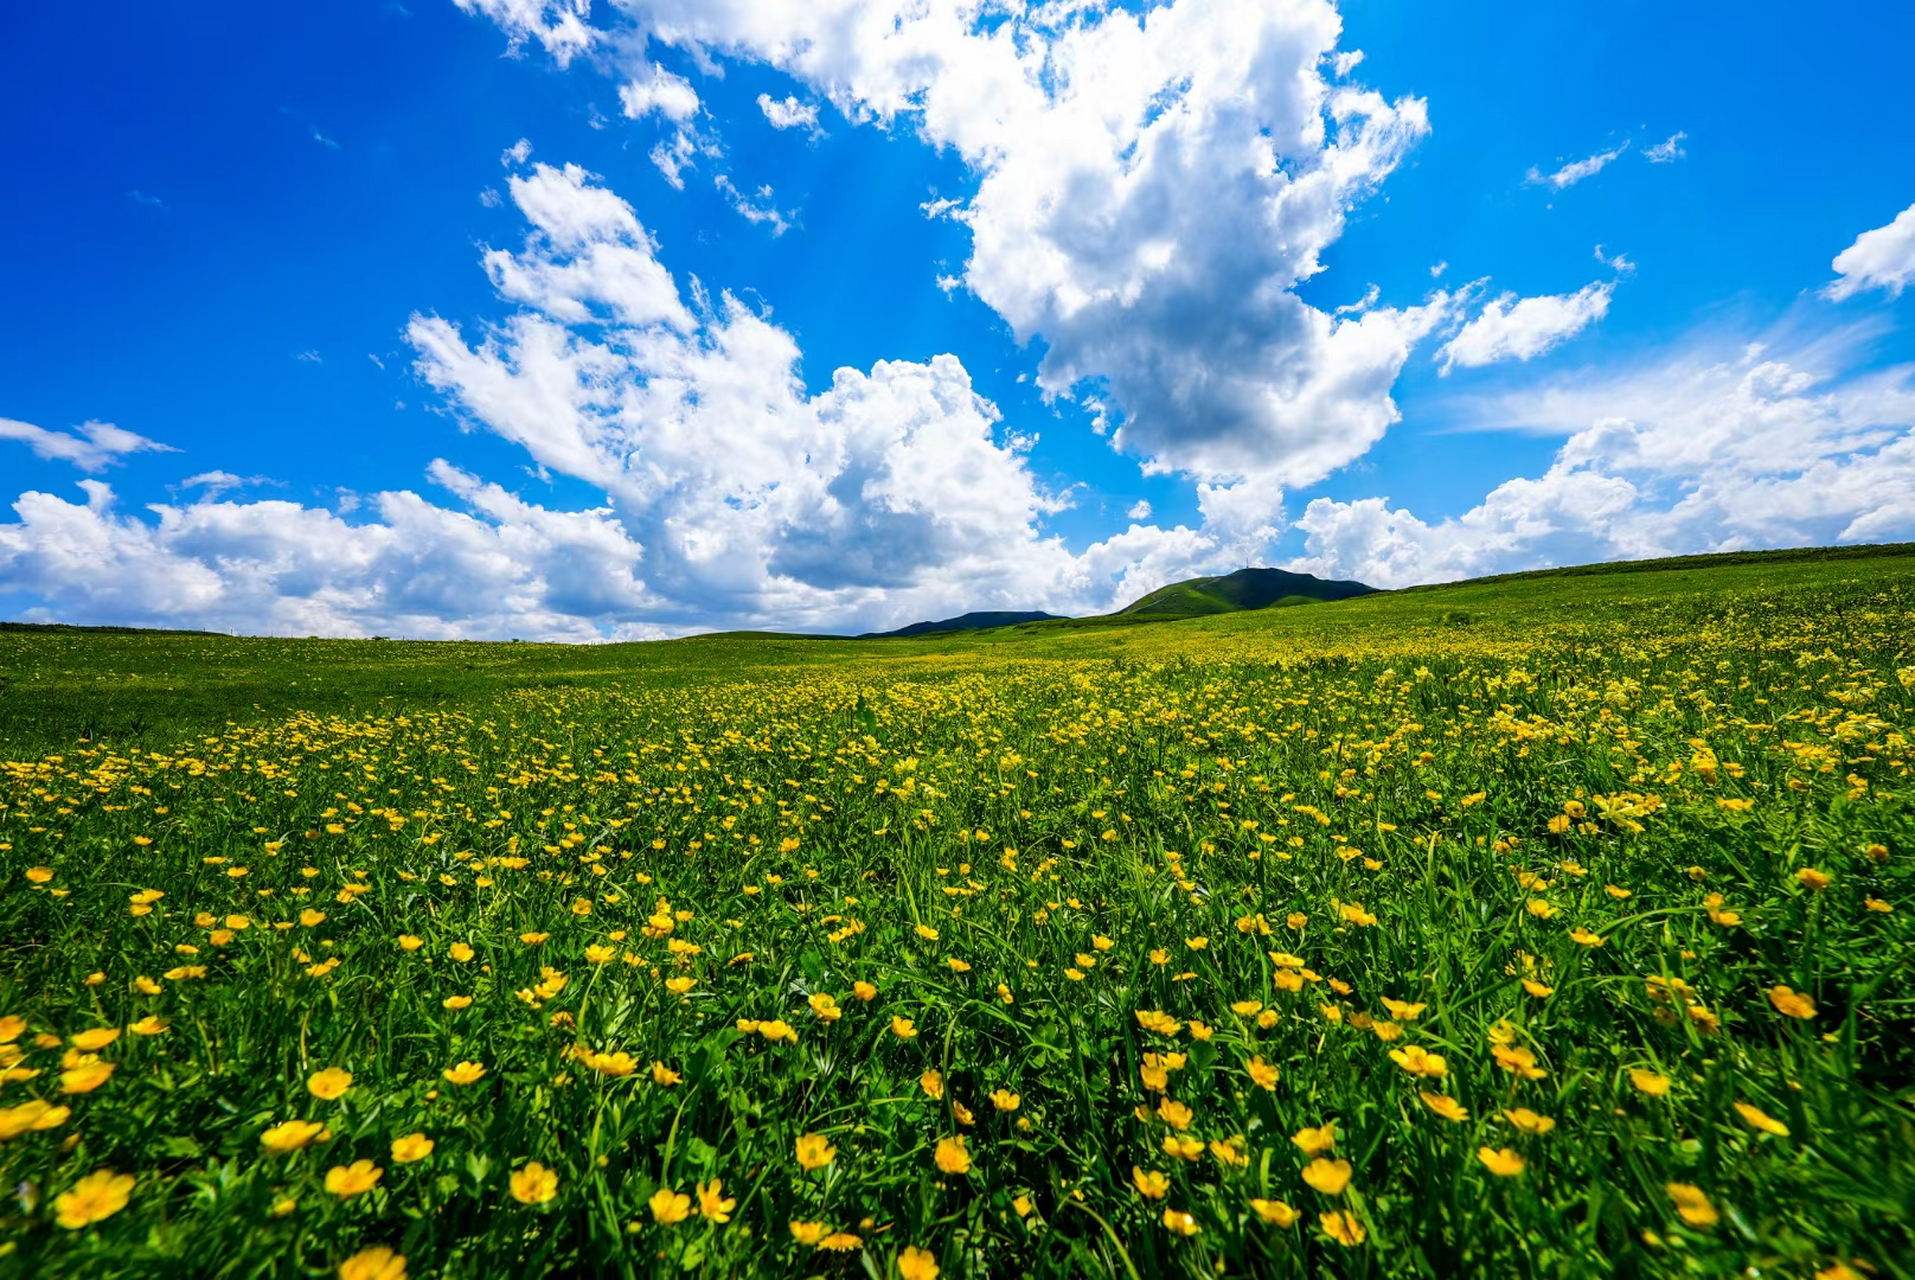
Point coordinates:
[(1236, 592)]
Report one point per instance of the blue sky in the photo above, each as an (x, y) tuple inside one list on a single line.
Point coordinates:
[(1608, 316)]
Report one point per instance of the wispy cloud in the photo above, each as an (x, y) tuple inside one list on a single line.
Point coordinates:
[(141, 198), (1570, 174), (1669, 149), (217, 483), (310, 357), (92, 446), (762, 211), (322, 139)]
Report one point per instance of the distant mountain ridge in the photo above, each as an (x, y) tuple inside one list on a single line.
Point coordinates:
[(978, 620), (1236, 592)]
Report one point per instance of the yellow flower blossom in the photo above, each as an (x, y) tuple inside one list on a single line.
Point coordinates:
[(1693, 1204), (1529, 1121), (330, 1083), (917, 1264), (713, 1204), (814, 1151), (1419, 1061), (292, 1135), (357, 1178), (97, 1196), (1275, 1212), (1504, 1163), (411, 1149), (1327, 1176), (374, 1263), (1793, 1003), (669, 1207), (1314, 1142), (1649, 1082), (953, 1156), (1756, 1118), (534, 1184)]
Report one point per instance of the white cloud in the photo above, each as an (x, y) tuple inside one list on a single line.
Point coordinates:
[(1616, 262), (758, 207), (500, 568), (891, 492), (588, 259), (1705, 451), (1357, 308), (560, 26), (1883, 258), (788, 114), (671, 96), (92, 446), (1152, 188), (672, 158), (1140, 510), (1669, 149), (518, 153), (217, 483), (1512, 328), (733, 496), (1570, 174)]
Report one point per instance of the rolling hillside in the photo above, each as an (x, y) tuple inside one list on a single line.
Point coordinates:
[(1236, 592)]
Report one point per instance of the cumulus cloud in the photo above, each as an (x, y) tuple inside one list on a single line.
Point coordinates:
[(587, 257), (1575, 171), (561, 27), (1883, 258), (734, 497), (91, 446), (658, 90), (1706, 451), (1151, 189), (890, 490), (498, 569), (788, 113), (1512, 328)]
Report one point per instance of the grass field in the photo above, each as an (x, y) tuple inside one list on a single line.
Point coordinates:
[(1555, 926)]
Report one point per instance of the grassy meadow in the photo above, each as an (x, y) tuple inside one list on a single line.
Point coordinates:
[(1556, 926)]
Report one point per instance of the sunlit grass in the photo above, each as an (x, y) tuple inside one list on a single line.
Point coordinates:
[(1557, 929)]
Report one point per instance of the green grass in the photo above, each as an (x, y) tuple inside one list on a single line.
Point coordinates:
[(1440, 798)]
